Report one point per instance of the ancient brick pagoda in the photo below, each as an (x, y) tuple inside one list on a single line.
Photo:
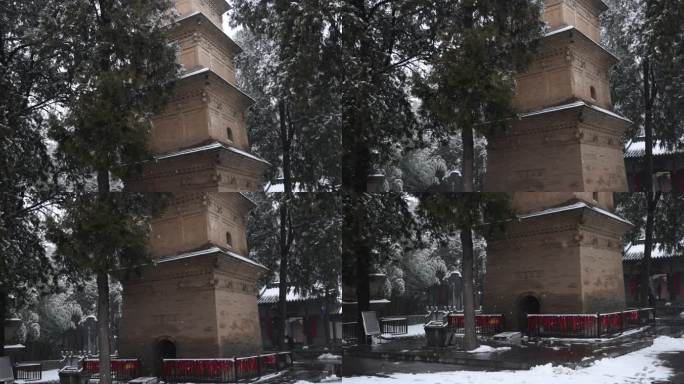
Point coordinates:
[(564, 255), (567, 137), (199, 299), (562, 160)]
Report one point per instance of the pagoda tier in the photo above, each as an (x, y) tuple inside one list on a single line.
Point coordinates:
[(211, 9), (566, 259), (200, 304), (582, 14), (573, 147), (196, 220), (201, 44), (569, 66), (214, 167)]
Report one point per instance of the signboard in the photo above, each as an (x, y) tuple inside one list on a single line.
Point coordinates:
[(371, 325)]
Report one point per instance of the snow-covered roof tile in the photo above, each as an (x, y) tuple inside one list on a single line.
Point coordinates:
[(635, 252), (637, 148)]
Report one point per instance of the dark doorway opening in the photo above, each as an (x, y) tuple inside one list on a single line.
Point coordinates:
[(166, 349), (528, 305)]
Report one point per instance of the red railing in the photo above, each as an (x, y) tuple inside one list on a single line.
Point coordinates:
[(588, 325), (484, 324), (224, 370), (579, 326), (121, 369)]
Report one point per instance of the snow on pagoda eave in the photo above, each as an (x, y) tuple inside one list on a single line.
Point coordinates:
[(211, 147), (249, 100), (575, 105), (574, 207), (210, 251)]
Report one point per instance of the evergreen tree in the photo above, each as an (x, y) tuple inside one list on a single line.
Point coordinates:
[(36, 68), (125, 77), (648, 88), (648, 82), (453, 213), (313, 229), (471, 80), (294, 124), (658, 221), (381, 229)]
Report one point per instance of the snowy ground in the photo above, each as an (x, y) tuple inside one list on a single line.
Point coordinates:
[(416, 330), (639, 367)]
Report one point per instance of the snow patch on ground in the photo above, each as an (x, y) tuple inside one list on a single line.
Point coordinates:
[(415, 330), (329, 356), (640, 367), (488, 349)]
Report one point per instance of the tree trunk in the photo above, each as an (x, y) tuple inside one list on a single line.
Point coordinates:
[(282, 287), (645, 298), (468, 159), (470, 337), (326, 317), (284, 224), (648, 126), (362, 290), (103, 327), (3, 316)]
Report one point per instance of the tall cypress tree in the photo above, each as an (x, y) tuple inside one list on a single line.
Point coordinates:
[(36, 68), (294, 124), (648, 88), (126, 76)]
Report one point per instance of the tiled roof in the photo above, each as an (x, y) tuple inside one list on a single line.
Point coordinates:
[(637, 148), (635, 252)]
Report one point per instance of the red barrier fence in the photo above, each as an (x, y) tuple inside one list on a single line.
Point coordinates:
[(122, 369), (588, 325), (484, 324), (225, 370)]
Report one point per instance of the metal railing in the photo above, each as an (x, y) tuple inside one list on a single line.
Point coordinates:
[(350, 331), (121, 369), (484, 324), (28, 371), (588, 325), (233, 370), (394, 325)]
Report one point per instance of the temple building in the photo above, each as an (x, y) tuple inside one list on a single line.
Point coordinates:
[(668, 166), (199, 298), (562, 159)]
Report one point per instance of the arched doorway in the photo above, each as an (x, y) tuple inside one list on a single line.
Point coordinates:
[(166, 349), (528, 305)]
